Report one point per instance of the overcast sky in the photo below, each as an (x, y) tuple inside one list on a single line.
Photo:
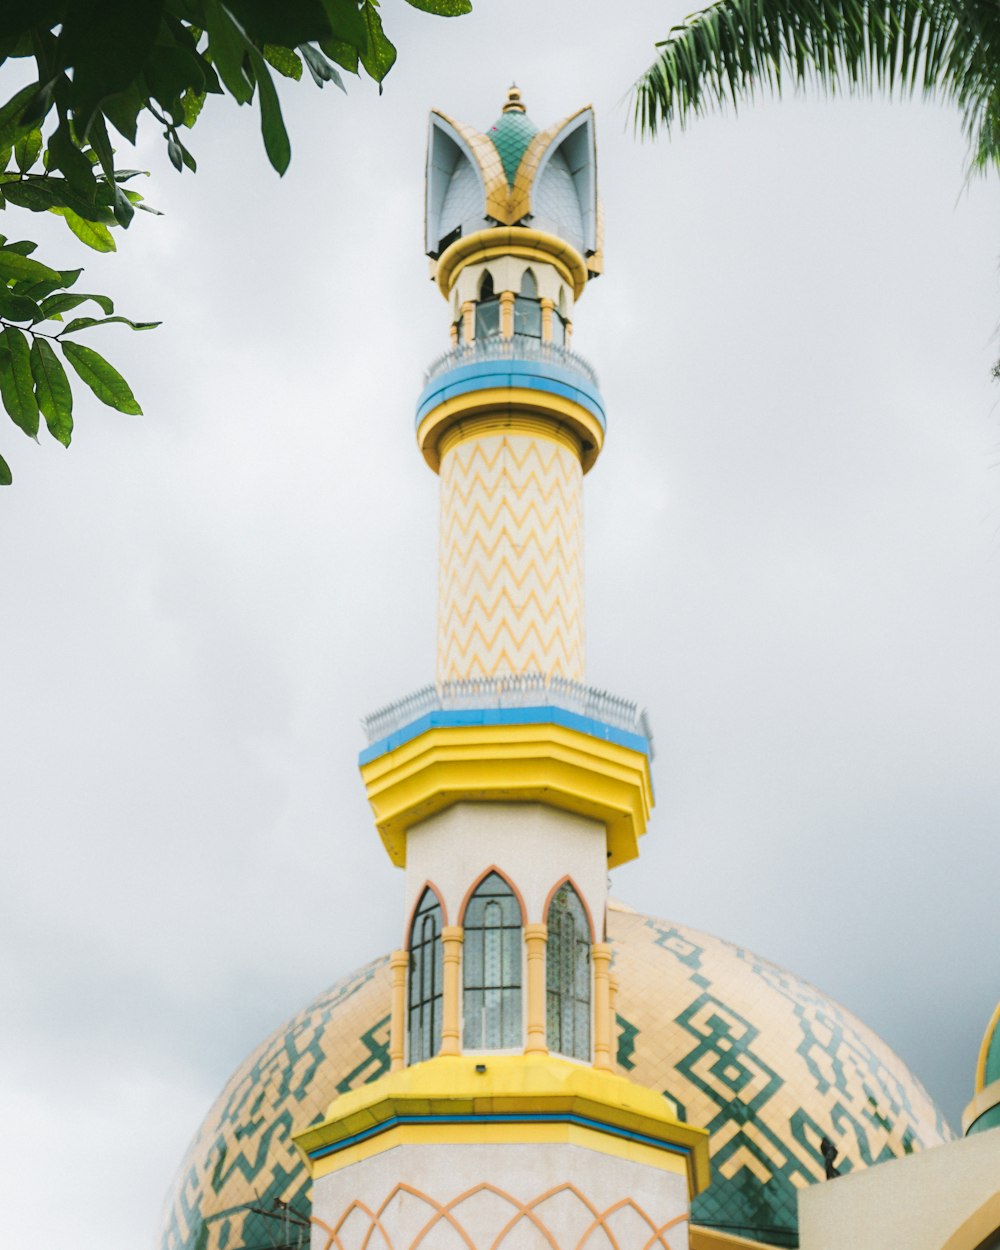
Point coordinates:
[(793, 560)]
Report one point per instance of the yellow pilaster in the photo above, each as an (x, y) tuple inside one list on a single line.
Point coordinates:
[(469, 317), (506, 314), (613, 1015), (536, 937), (569, 333), (398, 964), (451, 939), (547, 307), (600, 954), (454, 335)]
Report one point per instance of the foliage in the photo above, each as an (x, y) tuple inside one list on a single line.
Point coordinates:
[(99, 67), (950, 48)]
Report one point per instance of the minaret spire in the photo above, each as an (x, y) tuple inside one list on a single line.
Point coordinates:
[(507, 788)]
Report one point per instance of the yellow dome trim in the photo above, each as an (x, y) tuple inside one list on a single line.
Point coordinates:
[(984, 1049)]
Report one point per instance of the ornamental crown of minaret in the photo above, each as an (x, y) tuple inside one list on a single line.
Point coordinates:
[(514, 175)]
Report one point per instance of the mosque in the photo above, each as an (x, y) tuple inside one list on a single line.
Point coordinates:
[(539, 1067)]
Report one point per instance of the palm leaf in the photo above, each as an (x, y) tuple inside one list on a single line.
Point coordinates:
[(727, 52)]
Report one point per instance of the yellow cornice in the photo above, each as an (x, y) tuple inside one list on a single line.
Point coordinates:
[(510, 409), (507, 1085), (533, 763), (521, 241)]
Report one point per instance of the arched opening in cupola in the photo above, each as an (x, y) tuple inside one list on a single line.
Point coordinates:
[(491, 967), (568, 975), (426, 979)]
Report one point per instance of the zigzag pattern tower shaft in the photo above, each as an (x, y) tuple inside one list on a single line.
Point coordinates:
[(511, 558)]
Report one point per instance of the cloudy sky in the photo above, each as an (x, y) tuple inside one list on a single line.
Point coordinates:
[(793, 561)]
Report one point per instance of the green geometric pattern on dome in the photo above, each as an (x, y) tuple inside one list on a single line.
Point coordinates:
[(743, 1048), (511, 134)]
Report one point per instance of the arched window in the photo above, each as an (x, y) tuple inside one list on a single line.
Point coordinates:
[(491, 960), (486, 286), (567, 976), (426, 979), (529, 286), (488, 309)]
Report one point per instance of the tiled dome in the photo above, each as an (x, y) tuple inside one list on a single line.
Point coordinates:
[(745, 1049)]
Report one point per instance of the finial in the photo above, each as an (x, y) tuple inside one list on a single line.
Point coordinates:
[(513, 102)]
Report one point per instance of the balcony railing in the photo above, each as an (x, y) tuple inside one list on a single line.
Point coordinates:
[(520, 347), (510, 691)]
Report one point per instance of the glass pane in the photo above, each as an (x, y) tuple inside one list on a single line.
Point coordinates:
[(473, 958), (487, 319), (527, 316), (491, 1017), (472, 1033), (558, 330), (581, 1047), (460, 329), (511, 957), (511, 1018)]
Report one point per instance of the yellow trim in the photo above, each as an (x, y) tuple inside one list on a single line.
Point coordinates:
[(536, 937), (985, 1100), (984, 1049), (399, 962), (710, 1239), (502, 1135), (512, 410), (544, 763), (510, 1084), (452, 936), (977, 1228), (521, 241), (600, 954)]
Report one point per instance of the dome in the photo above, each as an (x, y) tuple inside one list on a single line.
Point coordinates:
[(743, 1048), (511, 133), (984, 1110)]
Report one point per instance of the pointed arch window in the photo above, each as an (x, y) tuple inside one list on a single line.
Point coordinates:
[(491, 958), (426, 979), (567, 976), (488, 309), (529, 286)]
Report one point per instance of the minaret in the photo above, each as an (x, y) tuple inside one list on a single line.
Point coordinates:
[(508, 787)]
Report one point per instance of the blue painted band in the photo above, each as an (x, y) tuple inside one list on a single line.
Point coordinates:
[(526, 374), (322, 1152), (441, 719)]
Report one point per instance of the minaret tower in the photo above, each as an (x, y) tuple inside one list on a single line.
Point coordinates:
[(508, 787)]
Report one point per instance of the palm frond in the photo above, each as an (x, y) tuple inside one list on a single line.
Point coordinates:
[(725, 53)]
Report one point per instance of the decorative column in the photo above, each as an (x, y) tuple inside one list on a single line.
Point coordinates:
[(398, 963), (547, 307), (600, 954), (536, 937), (451, 940), (613, 1019), (469, 318), (506, 314)]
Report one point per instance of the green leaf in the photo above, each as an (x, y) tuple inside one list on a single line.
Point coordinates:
[(107, 44), (380, 55), (443, 8), (63, 153), (52, 390), (24, 247), (94, 233), (347, 24), (284, 60), (17, 307), (43, 194), (17, 388), (6, 477), (272, 126), (227, 46), (28, 149), (63, 302), (122, 110), (105, 381), (345, 54), (192, 103), (321, 69), (11, 125), (84, 323), (14, 265)]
